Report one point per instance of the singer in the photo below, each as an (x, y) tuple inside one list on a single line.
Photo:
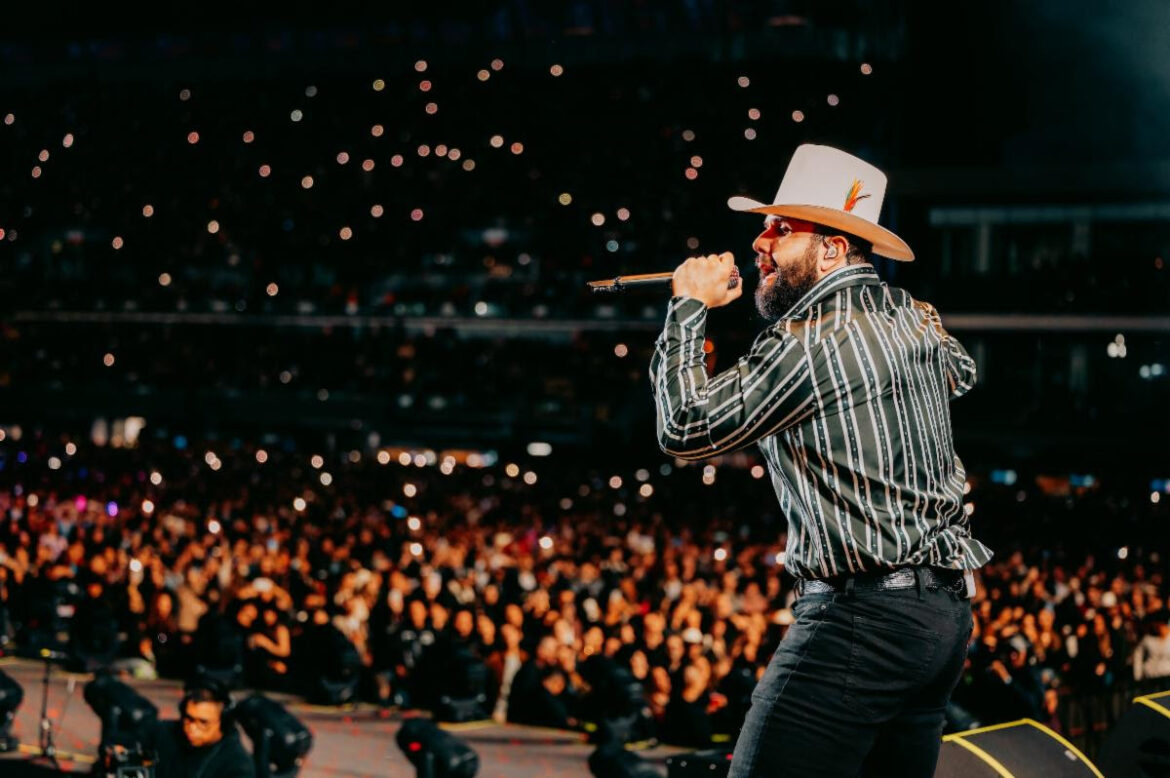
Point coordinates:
[(846, 393)]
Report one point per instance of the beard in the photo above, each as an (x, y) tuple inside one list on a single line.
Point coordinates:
[(777, 293)]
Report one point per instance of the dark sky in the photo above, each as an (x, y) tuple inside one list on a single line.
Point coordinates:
[(1044, 82)]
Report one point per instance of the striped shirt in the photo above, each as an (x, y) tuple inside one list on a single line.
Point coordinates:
[(847, 396)]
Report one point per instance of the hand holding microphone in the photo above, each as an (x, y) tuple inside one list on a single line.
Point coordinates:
[(713, 279), (708, 279)]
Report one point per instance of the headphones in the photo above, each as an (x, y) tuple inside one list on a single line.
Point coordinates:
[(217, 691)]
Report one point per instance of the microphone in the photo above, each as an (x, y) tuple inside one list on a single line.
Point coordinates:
[(622, 283)]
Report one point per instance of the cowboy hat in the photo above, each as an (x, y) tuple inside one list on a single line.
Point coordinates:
[(826, 186)]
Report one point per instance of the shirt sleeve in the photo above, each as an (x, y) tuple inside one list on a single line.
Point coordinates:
[(960, 367), (698, 417)]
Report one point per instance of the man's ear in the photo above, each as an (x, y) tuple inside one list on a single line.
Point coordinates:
[(835, 249)]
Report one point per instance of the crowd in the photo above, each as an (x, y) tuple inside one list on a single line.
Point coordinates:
[(438, 188), (541, 598)]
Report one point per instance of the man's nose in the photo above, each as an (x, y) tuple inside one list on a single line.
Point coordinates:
[(762, 244)]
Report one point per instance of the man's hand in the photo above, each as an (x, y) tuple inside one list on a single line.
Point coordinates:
[(706, 278)]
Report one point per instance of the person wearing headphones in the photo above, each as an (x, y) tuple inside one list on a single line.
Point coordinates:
[(204, 742)]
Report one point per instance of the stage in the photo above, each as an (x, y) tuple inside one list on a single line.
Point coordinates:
[(354, 741)]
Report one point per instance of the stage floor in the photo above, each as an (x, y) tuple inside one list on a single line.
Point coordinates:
[(353, 742)]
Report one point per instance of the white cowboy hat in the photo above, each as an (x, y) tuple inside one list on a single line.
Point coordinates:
[(826, 186)]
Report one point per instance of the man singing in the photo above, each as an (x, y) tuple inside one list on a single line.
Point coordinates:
[(846, 393)]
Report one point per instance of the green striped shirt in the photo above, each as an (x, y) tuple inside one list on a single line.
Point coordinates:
[(847, 396)]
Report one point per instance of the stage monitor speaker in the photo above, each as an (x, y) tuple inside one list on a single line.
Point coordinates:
[(1139, 745), (1019, 748)]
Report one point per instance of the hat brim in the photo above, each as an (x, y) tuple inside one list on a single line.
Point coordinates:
[(885, 243)]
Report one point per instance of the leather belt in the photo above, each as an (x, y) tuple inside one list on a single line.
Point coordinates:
[(902, 578)]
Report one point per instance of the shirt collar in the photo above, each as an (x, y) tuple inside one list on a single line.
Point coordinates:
[(849, 275)]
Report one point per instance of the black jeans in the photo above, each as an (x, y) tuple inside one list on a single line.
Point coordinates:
[(858, 686)]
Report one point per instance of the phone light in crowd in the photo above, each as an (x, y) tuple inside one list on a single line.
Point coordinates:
[(326, 479), (414, 523), (646, 490), (147, 507), (420, 460), (1155, 497), (1123, 552), (621, 350), (135, 566), (410, 490), (156, 477), (615, 482), (720, 554), (299, 504), (539, 449), (108, 360), (54, 463), (512, 470), (530, 478), (383, 457), (416, 549), (33, 501), (757, 471), (546, 543), (317, 462), (70, 449), (781, 557), (261, 455), (214, 527)]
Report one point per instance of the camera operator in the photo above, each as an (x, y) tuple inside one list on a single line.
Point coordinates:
[(204, 743)]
